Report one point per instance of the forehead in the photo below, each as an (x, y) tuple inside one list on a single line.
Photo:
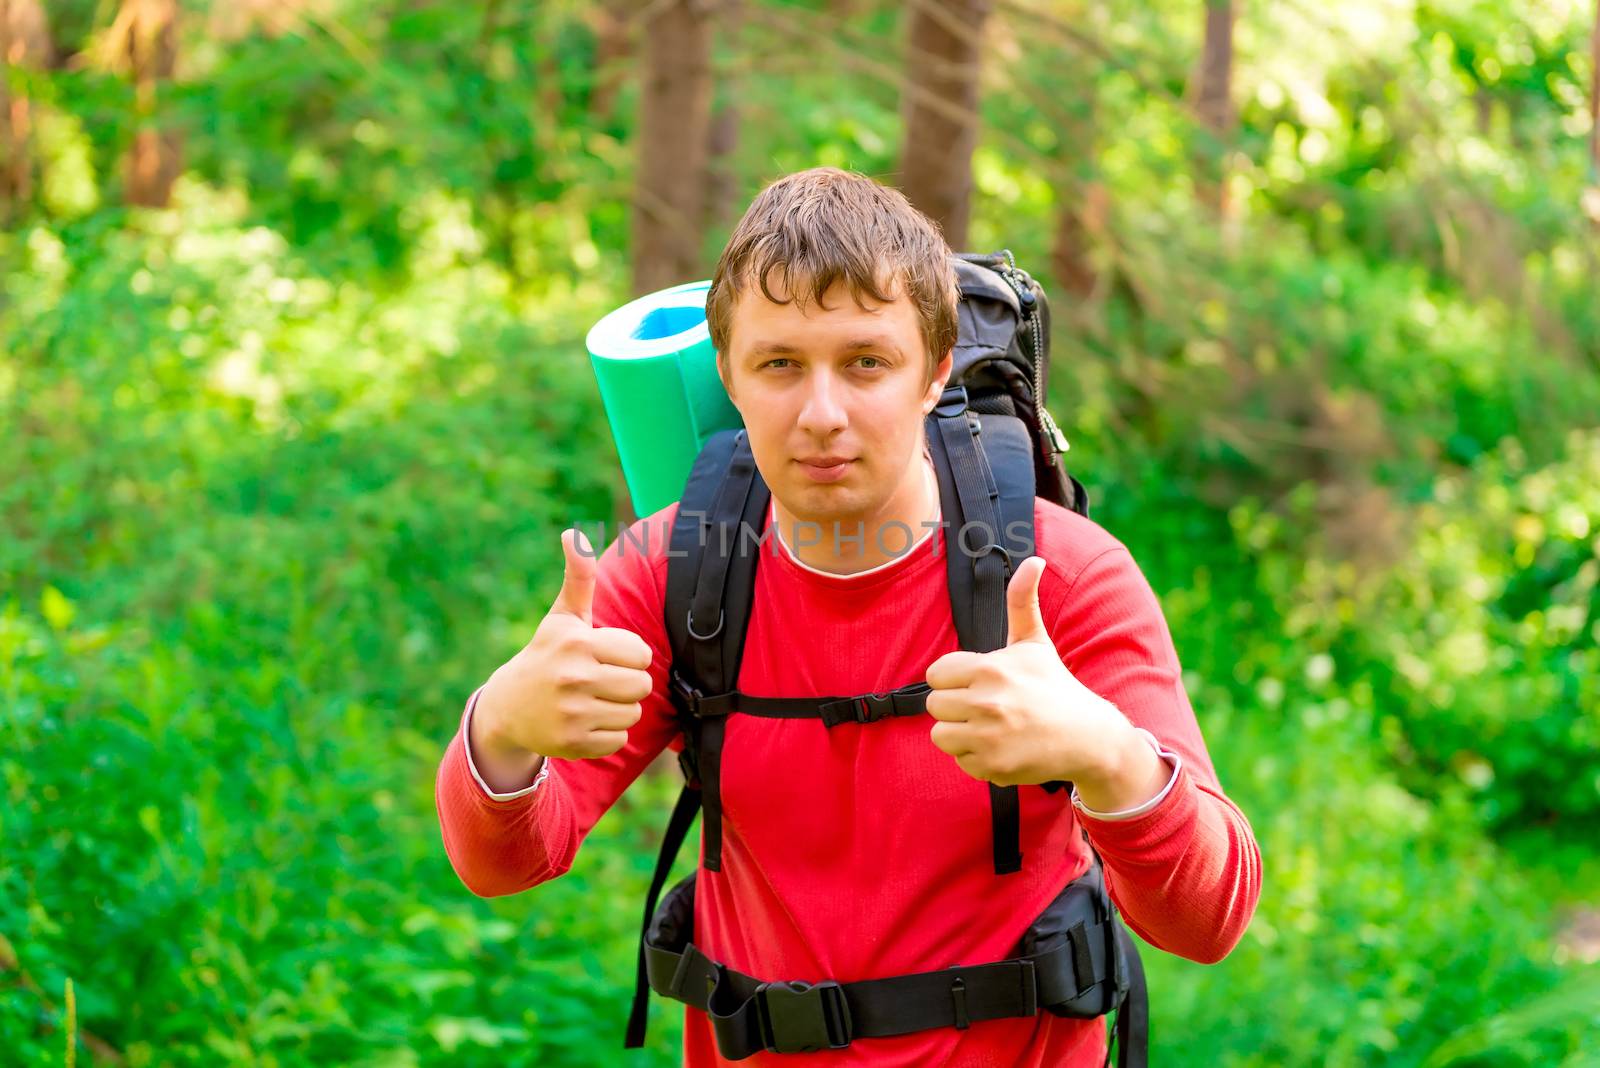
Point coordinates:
[(757, 322)]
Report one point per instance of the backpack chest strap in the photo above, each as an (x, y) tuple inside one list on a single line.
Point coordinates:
[(908, 700)]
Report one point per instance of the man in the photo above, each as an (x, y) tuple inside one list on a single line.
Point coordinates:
[(864, 851)]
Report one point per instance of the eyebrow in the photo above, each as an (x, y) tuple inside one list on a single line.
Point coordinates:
[(778, 348)]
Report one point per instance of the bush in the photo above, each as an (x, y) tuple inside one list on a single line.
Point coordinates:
[(1481, 643)]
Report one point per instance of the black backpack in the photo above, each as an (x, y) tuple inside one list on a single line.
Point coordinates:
[(995, 447)]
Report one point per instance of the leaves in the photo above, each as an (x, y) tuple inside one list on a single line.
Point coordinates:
[(285, 464)]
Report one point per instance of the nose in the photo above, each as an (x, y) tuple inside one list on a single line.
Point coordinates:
[(823, 411)]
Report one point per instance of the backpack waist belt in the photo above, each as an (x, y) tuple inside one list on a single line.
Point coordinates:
[(1083, 973)]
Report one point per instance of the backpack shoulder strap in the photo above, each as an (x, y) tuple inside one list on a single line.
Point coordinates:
[(677, 830), (985, 470), (711, 573), (710, 586)]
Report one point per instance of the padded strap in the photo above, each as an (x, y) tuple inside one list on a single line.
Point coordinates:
[(974, 540), (1095, 968), (715, 578), (677, 830), (1133, 1017), (979, 565), (749, 1015), (705, 645)]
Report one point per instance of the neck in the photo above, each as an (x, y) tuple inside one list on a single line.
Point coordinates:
[(849, 545)]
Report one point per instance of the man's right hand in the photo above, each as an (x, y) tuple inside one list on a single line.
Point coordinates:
[(572, 692)]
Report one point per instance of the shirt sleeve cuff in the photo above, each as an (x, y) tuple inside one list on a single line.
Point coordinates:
[(466, 743), (1129, 813)]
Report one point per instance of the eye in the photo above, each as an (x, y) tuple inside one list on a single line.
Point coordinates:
[(775, 362), (875, 361)]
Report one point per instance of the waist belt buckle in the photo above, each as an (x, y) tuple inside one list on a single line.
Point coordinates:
[(799, 1017)]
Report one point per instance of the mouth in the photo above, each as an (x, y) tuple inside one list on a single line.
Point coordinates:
[(825, 468)]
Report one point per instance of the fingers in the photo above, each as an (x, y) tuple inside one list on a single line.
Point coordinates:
[(958, 740), (953, 670), (626, 685), (598, 744), (609, 716), (948, 706), (951, 738), (599, 729), (1024, 623), (576, 597), (623, 648)]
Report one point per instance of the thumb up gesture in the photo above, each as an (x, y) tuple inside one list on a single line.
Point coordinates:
[(1016, 715), (575, 689)]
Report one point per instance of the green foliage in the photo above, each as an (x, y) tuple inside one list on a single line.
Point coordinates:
[(286, 464), (1387, 918), (1384, 922), (1482, 644), (281, 897), (244, 593)]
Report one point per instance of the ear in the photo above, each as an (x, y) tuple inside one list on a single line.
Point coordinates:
[(727, 381), (941, 375)]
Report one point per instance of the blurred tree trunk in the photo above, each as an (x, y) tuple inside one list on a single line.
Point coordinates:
[(945, 41), (488, 26), (144, 41), (1083, 204), (722, 181), (1594, 99), (674, 132), (612, 24), (1213, 105), (25, 43), (1081, 224), (63, 52)]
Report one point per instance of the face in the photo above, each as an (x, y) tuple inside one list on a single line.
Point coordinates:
[(833, 398)]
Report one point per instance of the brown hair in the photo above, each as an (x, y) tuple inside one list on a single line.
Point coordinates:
[(826, 225)]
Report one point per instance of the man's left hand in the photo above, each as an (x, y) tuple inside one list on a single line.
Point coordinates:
[(1016, 715)]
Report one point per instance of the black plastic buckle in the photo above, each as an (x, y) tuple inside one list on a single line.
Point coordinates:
[(690, 767), (799, 1017), (687, 697), (695, 702), (871, 707), (952, 402)]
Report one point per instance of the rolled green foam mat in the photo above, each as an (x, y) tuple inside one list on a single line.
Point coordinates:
[(657, 374)]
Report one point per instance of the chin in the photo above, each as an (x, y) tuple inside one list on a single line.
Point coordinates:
[(825, 504)]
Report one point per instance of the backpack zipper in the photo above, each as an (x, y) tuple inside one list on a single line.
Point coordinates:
[(1049, 432)]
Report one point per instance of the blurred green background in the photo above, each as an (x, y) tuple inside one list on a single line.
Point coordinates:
[(294, 404)]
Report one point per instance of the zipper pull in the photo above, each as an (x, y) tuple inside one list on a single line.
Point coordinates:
[(1058, 440)]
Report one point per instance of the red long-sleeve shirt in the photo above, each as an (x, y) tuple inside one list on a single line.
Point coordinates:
[(864, 851)]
